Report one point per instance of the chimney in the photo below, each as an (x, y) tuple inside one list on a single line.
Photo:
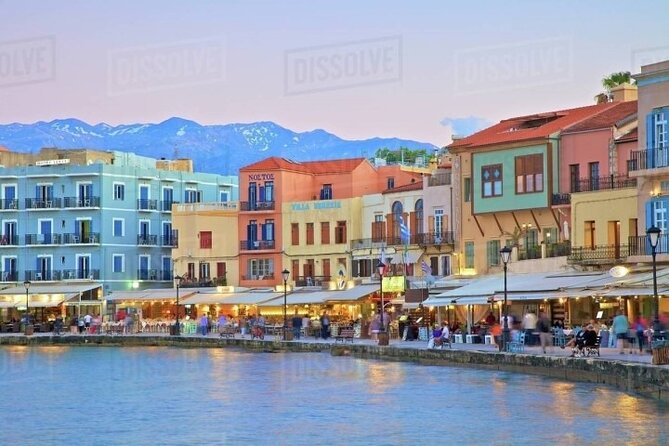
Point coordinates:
[(624, 93)]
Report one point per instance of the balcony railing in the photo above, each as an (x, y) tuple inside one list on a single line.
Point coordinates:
[(147, 274), (6, 204), (640, 245), (648, 159), (256, 205), (311, 281), (601, 254), (169, 240), (76, 202), (214, 206), (559, 199), (254, 245), (269, 276), (78, 239), (440, 179), (9, 276), (9, 240), (147, 240), (423, 239), (435, 238), (43, 239), (166, 206), (43, 203), (81, 274), (147, 205), (166, 274), (604, 183), (42, 275)]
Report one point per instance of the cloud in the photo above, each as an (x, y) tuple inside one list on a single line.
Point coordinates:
[(464, 126)]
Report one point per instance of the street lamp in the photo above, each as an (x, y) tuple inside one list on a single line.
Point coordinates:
[(381, 267), (653, 234), (285, 273), (27, 285), (177, 283), (505, 253)]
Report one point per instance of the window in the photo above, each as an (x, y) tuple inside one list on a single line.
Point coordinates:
[(119, 191), (260, 269), (390, 182), (204, 271), (660, 130), (326, 192), (118, 263), (493, 253), (594, 175), (295, 234), (267, 192), (491, 180), (221, 270), (325, 233), (310, 233), (659, 214), (419, 218), (192, 196), (589, 235), (191, 271), (574, 177), (205, 239), (529, 173), (119, 227), (268, 229), (438, 221), (340, 232), (469, 255), (467, 190), (223, 196), (326, 269)]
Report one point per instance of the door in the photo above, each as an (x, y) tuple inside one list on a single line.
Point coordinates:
[(167, 269), (614, 237), (9, 236), (85, 192), (144, 196), (144, 229), (252, 234), (574, 177), (168, 198), (167, 233), (144, 262), (594, 175), (83, 230), (83, 267), (253, 190), (446, 266), (45, 232), (9, 269), (9, 197), (43, 268)]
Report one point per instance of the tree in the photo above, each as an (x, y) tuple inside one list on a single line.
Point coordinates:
[(610, 82), (402, 154)]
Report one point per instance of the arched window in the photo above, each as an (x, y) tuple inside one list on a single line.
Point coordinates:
[(397, 213), (419, 217)]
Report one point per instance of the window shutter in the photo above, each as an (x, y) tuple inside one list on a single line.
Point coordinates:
[(390, 224), (430, 224), (414, 224), (649, 214), (650, 141)]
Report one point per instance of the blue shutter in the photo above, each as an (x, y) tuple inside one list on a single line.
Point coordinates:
[(649, 213), (650, 141)]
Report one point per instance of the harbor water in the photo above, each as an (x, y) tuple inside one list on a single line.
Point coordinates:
[(173, 396)]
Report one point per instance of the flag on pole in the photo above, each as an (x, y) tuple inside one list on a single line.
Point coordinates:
[(425, 268), (404, 231)]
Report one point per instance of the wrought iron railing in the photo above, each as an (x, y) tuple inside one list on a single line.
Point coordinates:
[(639, 245), (559, 199), (598, 254), (78, 202), (648, 159), (603, 183), (311, 280), (256, 205), (255, 245)]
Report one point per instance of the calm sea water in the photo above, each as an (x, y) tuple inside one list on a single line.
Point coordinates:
[(170, 396)]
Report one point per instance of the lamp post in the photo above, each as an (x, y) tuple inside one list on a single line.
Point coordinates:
[(177, 283), (653, 234), (285, 273), (381, 267), (27, 285), (505, 253)]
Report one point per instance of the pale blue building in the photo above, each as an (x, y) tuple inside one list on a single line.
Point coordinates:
[(71, 216)]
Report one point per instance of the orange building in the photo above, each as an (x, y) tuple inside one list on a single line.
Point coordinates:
[(269, 186)]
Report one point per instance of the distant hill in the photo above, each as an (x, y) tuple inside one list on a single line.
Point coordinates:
[(214, 148)]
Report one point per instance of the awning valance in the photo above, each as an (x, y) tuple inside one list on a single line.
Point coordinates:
[(352, 294)]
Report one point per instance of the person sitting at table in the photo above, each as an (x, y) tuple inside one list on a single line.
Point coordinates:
[(435, 341), (588, 339), (578, 334), (444, 337)]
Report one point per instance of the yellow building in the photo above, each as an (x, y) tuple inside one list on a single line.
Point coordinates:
[(208, 244), (317, 237)]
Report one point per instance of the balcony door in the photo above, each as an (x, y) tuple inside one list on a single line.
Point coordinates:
[(84, 194), (43, 268), (144, 262), (9, 232), (82, 230), (9, 269), (614, 237), (45, 231), (83, 266)]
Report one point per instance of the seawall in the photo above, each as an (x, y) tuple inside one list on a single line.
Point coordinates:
[(643, 379)]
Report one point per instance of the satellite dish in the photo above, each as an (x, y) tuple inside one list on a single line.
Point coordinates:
[(618, 271)]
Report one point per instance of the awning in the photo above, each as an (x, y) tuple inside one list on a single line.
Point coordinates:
[(53, 301), (50, 289), (252, 298), (409, 258), (206, 299), (9, 304), (628, 292), (149, 295), (352, 294), (317, 297)]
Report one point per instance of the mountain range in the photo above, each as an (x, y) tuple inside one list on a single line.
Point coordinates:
[(221, 149)]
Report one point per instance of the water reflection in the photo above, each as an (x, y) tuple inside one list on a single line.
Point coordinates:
[(165, 396)]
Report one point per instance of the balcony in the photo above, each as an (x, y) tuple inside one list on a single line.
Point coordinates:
[(256, 245), (10, 276), (311, 280), (560, 199), (147, 240), (256, 205), (77, 239), (147, 205), (42, 275), (640, 245), (9, 240), (9, 205), (648, 159), (43, 203), (435, 238), (84, 203), (201, 207), (269, 276), (603, 183), (440, 179), (166, 206), (43, 239), (80, 274), (169, 241), (598, 255), (147, 274)]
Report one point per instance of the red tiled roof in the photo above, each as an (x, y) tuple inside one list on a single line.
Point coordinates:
[(523, 128), (607, 118), (418, 185), (312, 167), (632, 135)]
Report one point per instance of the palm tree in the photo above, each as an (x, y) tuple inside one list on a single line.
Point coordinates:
[(610, 82)]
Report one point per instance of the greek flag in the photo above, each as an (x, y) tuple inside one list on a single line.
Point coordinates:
[(404, 231), (426, 268)]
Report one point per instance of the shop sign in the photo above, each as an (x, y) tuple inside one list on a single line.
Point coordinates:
[(317, 205), (393, 284), (261, 177)]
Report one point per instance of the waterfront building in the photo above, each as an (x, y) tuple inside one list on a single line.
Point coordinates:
[(301, 216), (507, 175), (81, 215)]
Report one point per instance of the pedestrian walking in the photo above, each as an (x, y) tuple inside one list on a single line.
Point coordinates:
[(204, 324), (544, 329), (325, 325), (640, 326), (297, 326), (621, 328)]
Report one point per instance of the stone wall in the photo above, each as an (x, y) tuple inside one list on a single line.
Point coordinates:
[(643, 379)]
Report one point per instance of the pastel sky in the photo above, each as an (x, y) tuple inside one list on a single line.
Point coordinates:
[(419, 70)]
